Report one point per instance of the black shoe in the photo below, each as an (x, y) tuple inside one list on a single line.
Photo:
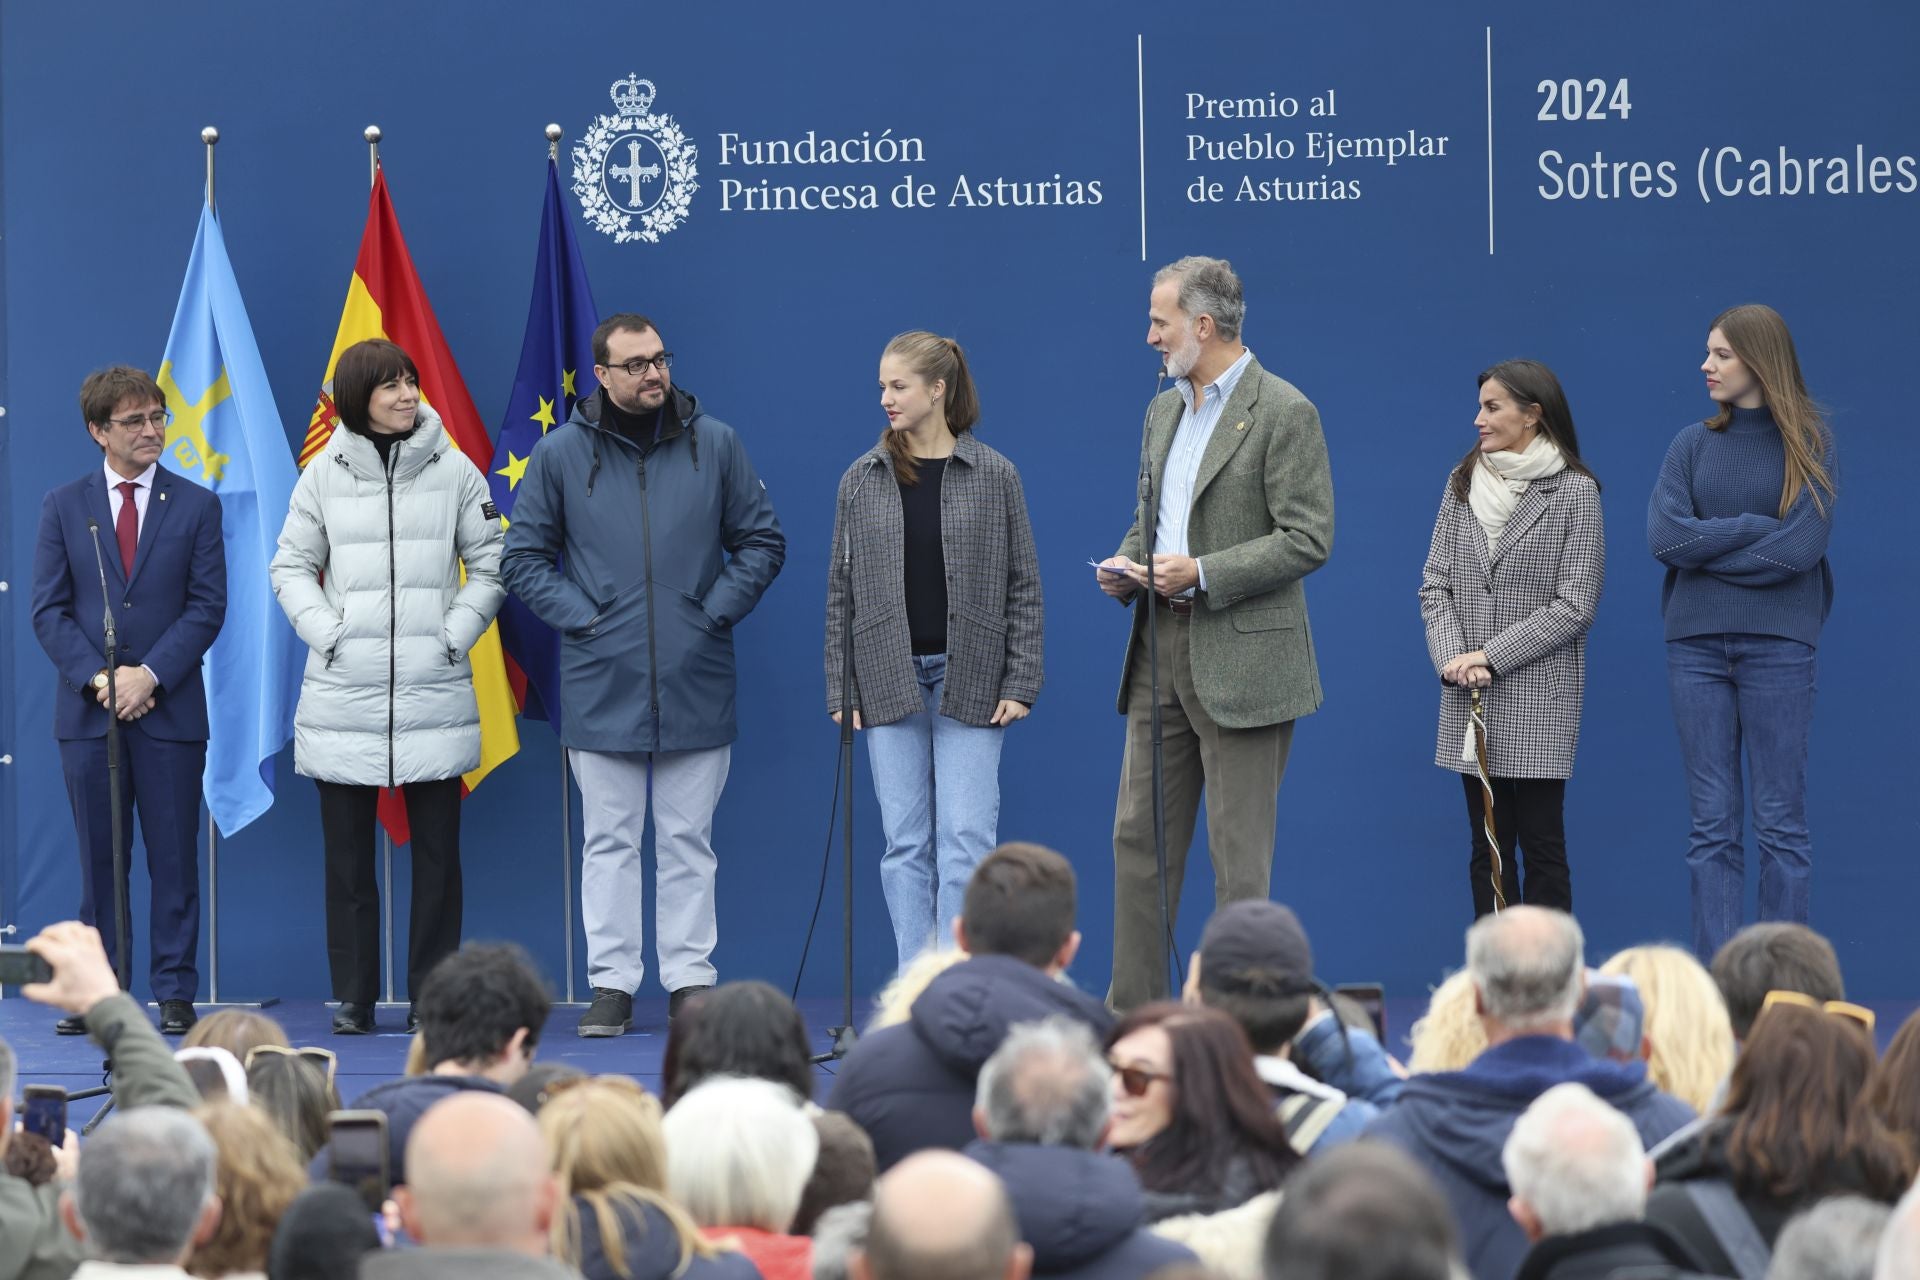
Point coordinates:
[(413, 1020), (352, 1019), (177, 1017), (679, 998), (610, 1014), (70, 1027)]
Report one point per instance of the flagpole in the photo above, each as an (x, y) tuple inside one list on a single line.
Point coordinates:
[(372, 134), (554, 133), (210, 136)]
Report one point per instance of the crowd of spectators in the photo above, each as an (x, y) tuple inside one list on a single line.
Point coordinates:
[(1646, 1117)]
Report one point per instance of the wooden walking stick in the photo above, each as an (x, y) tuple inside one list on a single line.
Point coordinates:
[(1479, 721)]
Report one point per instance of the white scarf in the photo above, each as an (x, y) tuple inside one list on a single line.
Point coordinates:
[(1502, 478)]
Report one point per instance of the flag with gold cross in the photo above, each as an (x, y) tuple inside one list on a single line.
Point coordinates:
[(386, 299), (226, 434), (556, 369)]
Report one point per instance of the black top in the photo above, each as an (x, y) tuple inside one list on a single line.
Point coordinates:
[(385, 443), (641, 428), (926, 560)]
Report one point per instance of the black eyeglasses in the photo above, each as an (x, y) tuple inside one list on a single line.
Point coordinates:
[(158, 418), (634, 368), (1136, 1080)]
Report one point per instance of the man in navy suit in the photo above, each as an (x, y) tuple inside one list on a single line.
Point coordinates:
[(166, 578)]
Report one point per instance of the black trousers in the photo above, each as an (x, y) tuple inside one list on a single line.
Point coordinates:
[(347, 827), (1529, 821)]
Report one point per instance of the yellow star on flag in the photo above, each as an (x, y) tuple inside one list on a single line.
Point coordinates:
[(515, 468), (566, 382), (543, 415)]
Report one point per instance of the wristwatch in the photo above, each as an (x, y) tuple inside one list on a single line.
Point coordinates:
[(99, 680)]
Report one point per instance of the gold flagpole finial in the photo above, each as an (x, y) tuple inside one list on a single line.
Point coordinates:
[(209, 136), (554, 134), (372, 134)]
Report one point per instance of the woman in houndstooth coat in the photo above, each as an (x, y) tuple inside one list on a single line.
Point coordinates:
[(933, 554), (1512, 578)]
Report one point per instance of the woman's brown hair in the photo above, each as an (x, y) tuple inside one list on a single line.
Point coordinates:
[(1221, 1109), (1794, 1121), (1893, 1092), (935, 359), (257, 1176), (1760, 338)]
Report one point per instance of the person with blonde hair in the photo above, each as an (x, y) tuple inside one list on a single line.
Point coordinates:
[(1687, 1026), (617, 1222), (739, 1153), (894, 1004), (238, 1031), (1740, 516), (1449, 1034), (257, 1174), (934, 568)]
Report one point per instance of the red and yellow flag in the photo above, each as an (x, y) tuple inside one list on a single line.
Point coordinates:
[(386, 300)]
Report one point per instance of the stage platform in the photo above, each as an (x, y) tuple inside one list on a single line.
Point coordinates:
[(364, 1061)]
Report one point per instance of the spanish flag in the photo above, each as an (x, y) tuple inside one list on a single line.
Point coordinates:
[(386, 300)]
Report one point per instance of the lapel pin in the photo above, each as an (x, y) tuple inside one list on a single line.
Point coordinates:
[(163, 496), (1239, 426)]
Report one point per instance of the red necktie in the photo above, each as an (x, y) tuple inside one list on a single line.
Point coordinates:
[(126, 526)]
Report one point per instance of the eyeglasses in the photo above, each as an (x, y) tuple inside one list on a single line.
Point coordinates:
[(157, 419), (321, 1059), (634, 368), (1839, 1008), (1136, 1080)]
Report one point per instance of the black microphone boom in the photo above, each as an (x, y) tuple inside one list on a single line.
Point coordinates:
[(122, 923)]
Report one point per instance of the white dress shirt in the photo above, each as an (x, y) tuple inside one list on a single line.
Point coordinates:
[(1183, 458), (142, 494)]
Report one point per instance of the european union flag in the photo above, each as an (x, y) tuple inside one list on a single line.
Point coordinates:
[(226, 434), (556, 369)]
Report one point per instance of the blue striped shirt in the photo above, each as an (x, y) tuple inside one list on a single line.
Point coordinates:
[(1184, 454)]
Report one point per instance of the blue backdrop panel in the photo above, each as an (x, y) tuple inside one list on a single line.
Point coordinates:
[(1410, 191)]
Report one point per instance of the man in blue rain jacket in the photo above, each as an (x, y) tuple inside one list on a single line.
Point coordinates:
[(642, 535)]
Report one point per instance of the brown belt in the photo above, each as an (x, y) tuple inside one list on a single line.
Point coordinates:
[(1178, 606)]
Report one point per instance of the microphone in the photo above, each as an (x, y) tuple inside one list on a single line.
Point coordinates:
[(100, 565), (1146, 458)]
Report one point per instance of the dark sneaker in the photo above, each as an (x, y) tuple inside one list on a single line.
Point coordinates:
[(610, 1014), (177, 1017), (352, 1019), (679, 998), (70, 1027), (413, 1020)]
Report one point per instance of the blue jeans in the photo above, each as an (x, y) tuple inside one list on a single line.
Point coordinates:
[(938, 783), (1731, 691)]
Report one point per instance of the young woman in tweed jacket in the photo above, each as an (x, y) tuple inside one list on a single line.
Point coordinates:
[(1512, 578), (933, 550)]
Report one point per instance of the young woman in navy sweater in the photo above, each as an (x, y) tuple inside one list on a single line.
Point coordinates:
[(1740, 517)]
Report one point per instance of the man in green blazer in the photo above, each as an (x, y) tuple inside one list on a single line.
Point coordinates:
[(1244, 512)]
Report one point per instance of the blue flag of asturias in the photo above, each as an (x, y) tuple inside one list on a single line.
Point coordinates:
[(556, 369), (226, 434)]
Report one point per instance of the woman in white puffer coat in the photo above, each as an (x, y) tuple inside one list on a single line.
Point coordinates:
[(368, 570)]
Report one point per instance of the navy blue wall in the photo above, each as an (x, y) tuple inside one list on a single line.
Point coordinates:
[(1381, 308)]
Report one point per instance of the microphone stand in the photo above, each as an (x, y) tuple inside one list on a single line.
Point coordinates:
[(844, 1035), (122, 927), (1150, 534)]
